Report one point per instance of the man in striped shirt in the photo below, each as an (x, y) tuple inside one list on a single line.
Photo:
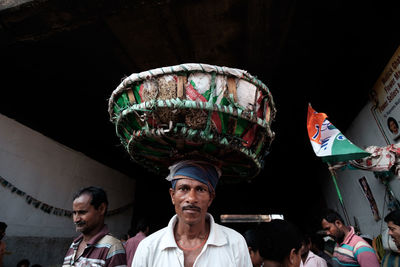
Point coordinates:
[(392, 256), (95, 246), (350, 250)]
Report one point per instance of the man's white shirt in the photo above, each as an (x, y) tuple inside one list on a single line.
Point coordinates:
[(224, 247)]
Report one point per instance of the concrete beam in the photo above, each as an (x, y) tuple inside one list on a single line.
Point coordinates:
[(7, 4)]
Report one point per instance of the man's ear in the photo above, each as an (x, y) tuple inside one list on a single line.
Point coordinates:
[(171, 193), (212, 196), (338, 223), (292, 256), (102, 208)]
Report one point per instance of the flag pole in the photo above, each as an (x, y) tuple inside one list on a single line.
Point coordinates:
[(333, 175)]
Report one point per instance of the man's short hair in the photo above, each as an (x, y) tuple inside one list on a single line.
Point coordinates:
[(394, 217), (98, 195), (251, 239), (331, 216), (277, 239), (3, 227), (23, 262)]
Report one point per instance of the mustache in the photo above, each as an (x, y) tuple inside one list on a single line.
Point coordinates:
[(191, 207), (80, 223)]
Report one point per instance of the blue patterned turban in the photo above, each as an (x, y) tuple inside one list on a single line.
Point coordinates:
[(201, 171)]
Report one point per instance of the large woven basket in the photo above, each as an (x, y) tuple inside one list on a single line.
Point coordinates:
[(195, 111)]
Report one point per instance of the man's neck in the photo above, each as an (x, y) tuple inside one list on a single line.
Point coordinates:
[(346, 232), (88, 236), (199, 230), (304, 258)]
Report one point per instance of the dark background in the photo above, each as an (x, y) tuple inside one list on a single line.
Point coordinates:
[(60, 61)]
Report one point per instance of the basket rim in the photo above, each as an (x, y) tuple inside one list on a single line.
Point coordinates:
[(187, 67)]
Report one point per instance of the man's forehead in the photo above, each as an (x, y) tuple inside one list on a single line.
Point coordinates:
[(325, 223), (184, 180), (83, 199), (392, 224)]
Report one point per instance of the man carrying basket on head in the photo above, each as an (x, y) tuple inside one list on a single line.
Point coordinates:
[(192, 238)]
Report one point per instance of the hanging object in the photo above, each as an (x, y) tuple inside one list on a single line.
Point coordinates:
[(188, 111)]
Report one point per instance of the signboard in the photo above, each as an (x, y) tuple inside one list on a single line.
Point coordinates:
[(385, 95)]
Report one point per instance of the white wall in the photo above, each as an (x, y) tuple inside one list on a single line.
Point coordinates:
[(51, 173), (363, 132)]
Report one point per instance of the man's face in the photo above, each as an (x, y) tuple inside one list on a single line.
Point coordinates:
[(191, 199), (394, 232), (86, 217), (255, 257), (333, 230), (393, 128)]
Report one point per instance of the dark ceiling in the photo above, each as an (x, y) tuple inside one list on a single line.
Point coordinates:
[(61, 60)]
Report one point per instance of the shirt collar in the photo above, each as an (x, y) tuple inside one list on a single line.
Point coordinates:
[(214, 238), (309, 256), (94, 239), (349, 235)]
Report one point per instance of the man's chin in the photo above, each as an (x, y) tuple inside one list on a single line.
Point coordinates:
[(80, 229)]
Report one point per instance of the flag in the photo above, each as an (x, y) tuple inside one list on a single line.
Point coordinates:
[(328, 142)]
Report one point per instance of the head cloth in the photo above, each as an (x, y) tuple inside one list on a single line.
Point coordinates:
[(201, 171)]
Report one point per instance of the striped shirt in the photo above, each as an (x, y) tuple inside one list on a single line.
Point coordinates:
[(391, 259), (354, 251), (102, 250)]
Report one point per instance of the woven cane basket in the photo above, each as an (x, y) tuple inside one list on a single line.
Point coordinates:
[(195, 111)]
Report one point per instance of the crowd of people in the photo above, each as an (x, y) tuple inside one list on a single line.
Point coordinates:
[(193, 238)]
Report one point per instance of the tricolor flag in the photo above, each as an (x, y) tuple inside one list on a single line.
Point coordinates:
[(328, 142)]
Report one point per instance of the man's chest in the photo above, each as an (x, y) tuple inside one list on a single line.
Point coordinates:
[(214, 257)]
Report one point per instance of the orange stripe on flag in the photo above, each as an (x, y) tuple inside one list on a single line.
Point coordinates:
[(314, 124)]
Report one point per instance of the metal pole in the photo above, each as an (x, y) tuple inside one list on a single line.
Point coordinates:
[(339, 195)]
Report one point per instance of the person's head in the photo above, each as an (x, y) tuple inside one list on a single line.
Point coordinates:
[(3, 227), (393, 223), (280, 242), (131, 232), (23, 263), (89, 209), (393, 125), (333, 225), (252, 243), (317, 243), (143, 226), (192, 189)]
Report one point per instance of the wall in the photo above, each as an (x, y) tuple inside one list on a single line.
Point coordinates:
[(51, 173), (363, 132)]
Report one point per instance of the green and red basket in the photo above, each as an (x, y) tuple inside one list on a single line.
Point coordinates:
[(196, 111)]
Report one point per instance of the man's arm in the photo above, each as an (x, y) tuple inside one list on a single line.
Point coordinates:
[(116, 256), (366, 256), (243, 255), (141, 256)]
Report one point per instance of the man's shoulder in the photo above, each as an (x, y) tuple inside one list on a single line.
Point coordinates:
[(231, 234), (150, 239), (316, 257), (109, 241), (357, 242)]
